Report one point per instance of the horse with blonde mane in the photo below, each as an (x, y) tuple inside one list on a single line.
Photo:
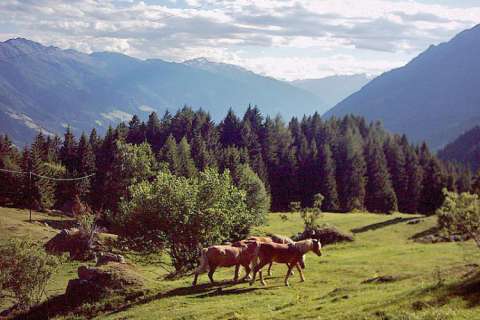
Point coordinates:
[(226, 256), (275, 238), (291, 254)]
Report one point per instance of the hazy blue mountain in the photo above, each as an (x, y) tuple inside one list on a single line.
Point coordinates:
[(333, 89), (465, 149), (46, 88), (435, 97)]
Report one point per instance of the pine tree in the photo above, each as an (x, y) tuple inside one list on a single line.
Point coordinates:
[(169, 154), (414, 173), (86, 166), (153, 133), (380, 196), (433, 184), (326, 177), (230, 130), (396, 167), (201, 155), (42, 189), (354, 183), (186, 165), (135, 135)]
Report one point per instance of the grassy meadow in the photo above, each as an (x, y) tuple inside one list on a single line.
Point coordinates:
[(428, 281)]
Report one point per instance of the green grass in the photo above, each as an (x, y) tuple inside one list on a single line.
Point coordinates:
[(433, 281)]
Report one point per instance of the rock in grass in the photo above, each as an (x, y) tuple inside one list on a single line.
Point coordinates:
[(325, 234), (94, 283)]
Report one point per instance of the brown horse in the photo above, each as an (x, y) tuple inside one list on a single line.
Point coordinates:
[(226, 256), (291, 254), (276, 239)]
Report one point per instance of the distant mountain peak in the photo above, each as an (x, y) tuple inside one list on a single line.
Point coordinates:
[(433, 98)]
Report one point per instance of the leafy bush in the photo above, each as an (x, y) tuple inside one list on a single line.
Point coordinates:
[(460, 214), (310, 215), (257, 199), (186, 213), (295, 206), (26, 269)]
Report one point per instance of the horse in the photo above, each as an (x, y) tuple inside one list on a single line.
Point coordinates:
[(291, 254), (276, 239), (226, 256)]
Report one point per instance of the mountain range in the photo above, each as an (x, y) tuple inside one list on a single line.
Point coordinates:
[(435, 97), (333, 89), (465, 149), (47, 89)]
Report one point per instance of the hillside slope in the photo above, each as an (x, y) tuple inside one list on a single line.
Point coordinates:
[(435, 97), (47, 89), (465, 149)]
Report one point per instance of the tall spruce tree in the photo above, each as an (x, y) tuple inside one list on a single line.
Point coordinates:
[(231, 130), (186, 165), (326, 177), (433, 183), (414, 173), (396, 167), (169, 154), (380, 196)]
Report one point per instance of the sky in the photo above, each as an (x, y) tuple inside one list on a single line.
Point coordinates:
[(285, 39)]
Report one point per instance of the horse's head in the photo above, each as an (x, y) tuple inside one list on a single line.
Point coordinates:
[(317, 247)]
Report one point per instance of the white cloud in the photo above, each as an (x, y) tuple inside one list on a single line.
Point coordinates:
[(252, 33), (146, 108), (117, 115)]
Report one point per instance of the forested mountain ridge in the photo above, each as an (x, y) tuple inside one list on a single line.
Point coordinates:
[(47, 89), (465, 149), (434, 97), (355, 165)]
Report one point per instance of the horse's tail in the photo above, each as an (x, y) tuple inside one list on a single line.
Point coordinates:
[(203, 259)]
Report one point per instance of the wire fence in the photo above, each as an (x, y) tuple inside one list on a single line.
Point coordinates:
[(33, 174)]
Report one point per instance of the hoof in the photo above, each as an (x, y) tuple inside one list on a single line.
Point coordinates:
[(264, 283)]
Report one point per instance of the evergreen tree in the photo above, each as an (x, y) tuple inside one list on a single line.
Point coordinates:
[(354, 183), (153, 133), (230, 130), (42, 189), (86, 166), (169, 154), (433, 183), (186, 165), (135, 135), (414, 173), (328, 184), (380, 196), (201, 155), (396, 167)]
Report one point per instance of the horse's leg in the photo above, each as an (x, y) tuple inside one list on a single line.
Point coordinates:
[(302, 277), (237, 268), (270, 269), (290, 266), (200, 269), (256, 269), (247, 271), (211, 272)]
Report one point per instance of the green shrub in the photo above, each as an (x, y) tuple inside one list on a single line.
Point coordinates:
[(460, 214), (186, 213), (310, 215), (25, 271)]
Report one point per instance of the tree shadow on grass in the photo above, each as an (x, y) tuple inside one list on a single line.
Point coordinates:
[(383, 224), (198, 291), (468, 289), (56, 224)]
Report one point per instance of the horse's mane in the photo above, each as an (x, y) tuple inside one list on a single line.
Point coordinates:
[(304, 246), (280, 239)]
